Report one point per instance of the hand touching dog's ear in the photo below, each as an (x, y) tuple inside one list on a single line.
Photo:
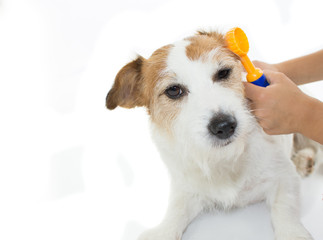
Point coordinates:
[(126, 91)]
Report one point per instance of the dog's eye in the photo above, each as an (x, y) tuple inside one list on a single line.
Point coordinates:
[(174, 92), (223, 74)]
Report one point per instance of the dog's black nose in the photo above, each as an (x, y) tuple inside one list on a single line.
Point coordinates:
[(222, 125)]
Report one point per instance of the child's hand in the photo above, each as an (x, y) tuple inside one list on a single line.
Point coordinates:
[(266, 66), (281, 107)]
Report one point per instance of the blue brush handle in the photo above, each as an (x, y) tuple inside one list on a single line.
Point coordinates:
[(261, 82)]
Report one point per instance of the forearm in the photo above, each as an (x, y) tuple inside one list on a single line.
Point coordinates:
[(304, 69), (311, 124)]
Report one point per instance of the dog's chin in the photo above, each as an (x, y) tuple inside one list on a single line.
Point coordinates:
[(230, 148)]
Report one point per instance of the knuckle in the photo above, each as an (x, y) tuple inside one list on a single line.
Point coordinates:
[(261, 96), (280, 74)]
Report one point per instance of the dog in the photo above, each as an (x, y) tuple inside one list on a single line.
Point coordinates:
[(215, 151)]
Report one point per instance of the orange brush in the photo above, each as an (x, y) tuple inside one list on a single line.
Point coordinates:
[(237, 42)]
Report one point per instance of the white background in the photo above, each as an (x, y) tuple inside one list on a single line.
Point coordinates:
[(69, 168)]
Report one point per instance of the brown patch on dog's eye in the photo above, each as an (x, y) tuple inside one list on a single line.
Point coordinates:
[(175, 92)]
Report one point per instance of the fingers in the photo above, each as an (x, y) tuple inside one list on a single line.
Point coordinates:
[(271, 105), (275, 77), (263, 65), (272, 77), (252, 91), (259, 64), (256, 93)]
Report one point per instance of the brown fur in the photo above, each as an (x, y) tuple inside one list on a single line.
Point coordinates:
[(135, 82), (161, 109), (201, 45), (154, 73), (126, 90), (143, 82), (205, 42)]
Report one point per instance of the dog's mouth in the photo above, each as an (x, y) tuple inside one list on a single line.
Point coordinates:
[(219, 143), (227, 143)]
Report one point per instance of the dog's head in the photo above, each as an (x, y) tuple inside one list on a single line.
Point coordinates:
[(192, 89)]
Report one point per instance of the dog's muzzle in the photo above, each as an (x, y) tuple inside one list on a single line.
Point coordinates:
[(222, 126)]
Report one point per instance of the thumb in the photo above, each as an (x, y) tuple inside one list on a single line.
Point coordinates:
[(272, 77), (252, 91)]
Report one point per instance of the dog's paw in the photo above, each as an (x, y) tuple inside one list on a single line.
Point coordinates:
[(159, 234), (304, 161)]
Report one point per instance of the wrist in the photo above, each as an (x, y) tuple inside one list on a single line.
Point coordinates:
[(308, 113)]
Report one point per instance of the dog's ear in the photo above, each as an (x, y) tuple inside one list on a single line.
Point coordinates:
[(126, 90)]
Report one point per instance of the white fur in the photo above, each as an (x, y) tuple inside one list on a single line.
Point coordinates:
[(206, 174)]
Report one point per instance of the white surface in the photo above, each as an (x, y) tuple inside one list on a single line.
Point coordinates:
[(69, 168)]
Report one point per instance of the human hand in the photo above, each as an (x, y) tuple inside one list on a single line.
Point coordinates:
[(279, 108), (266, 66)]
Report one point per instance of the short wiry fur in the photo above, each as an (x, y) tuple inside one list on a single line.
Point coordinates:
[(207, 171)]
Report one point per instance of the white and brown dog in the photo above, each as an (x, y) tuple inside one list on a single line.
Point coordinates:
[(217, 154)]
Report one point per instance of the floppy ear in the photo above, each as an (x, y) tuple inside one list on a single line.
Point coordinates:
[(126, 90)]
